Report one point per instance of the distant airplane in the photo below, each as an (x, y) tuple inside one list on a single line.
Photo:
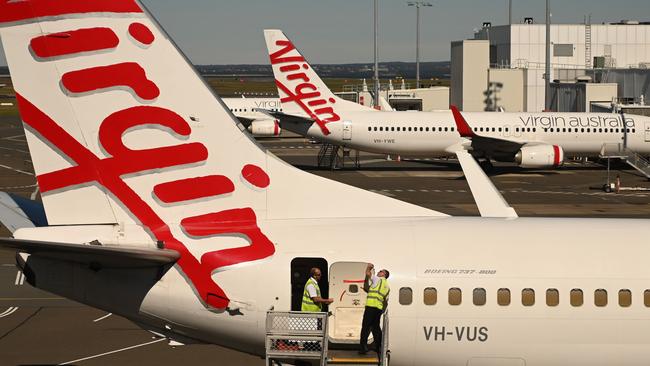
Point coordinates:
[(163, 211), (532, 140), (257, 123)]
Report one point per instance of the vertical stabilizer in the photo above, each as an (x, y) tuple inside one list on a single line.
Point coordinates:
[(301, 90)]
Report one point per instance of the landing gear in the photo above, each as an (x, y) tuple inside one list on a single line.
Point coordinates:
[(486, 165)]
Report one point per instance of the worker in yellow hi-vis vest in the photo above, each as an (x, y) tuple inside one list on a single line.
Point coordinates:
[(376, 302), (311, 296)]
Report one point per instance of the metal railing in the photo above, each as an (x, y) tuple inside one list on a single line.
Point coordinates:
[(385, 352), (296, 335), (631, 157)]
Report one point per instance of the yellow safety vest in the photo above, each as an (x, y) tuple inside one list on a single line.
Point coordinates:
[(307, 303), (377, 295)]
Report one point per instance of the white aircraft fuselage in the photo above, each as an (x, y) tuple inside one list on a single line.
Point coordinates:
[(434, 133)]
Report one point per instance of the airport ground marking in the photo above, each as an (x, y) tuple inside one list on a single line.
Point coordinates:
[(112, 352), (9, 311), (102, 318), (20, 278), (16, 170)]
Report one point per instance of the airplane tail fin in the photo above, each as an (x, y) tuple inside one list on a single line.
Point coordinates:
[(301, 90), (123, 131)]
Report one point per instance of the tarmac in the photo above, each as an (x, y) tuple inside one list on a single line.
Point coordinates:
[(40, 328)]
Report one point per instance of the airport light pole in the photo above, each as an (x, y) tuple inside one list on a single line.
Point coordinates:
[(376, 86), (547, 69), (418, 5)]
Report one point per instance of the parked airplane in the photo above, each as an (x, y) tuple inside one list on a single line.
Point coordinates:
[(257, 123), (163, 211), (532, 140)]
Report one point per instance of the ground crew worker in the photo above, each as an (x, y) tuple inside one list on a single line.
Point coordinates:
[(376, 302), (311, 297)]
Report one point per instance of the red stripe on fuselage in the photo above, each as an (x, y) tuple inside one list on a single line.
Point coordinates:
[(72, 42), (193, 188), (128, 74), (13, 10)]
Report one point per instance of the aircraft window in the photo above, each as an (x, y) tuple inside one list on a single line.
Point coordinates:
[(392, 129), (617, 130), (481, 129), (445, 129), (507, 129), (517, 129), (427, 129), (564, 130), (409, 129), (397, 129), (353, 289), (369, 128), (552, 297), (600, 130), (452, 129), (551, 130), (479, 296), (588, 130), (528, 297), (381, 128), (430, 296), (528, 129), (582, 130), (421, 129), (576, 297), (494, 129), (375, 128), (606, 130), (646, 298), (534, 129), (634, 130), (624, 298), (405, 296), (600, 297), (500, 129), (503, 297), (455, 296), (439, 129), (475, 129)]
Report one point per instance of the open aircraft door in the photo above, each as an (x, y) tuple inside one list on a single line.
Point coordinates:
[(346, 288), (347, 130)]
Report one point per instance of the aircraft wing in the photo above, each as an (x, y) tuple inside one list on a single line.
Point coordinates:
[(96, 256), (488, 146), (246, 122), (285, 118)]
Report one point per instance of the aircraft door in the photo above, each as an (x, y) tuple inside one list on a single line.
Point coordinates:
[(647, 132), (300, 268), (347, 130), (346, 288)]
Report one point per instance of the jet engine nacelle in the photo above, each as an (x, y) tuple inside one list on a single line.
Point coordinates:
[(540, 156), (265, 127)]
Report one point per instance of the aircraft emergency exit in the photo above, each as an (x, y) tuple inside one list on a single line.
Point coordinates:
[(162, 210), (532, 140)]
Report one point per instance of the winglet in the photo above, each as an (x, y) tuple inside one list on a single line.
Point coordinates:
[(463, 127)]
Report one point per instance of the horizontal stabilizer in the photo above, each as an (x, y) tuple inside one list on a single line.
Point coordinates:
[(97, 256)]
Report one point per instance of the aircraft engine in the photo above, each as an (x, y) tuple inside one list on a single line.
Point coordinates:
[(540, 156), (265, 127)]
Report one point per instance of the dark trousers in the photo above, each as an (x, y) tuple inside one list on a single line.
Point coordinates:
[(371, 318)]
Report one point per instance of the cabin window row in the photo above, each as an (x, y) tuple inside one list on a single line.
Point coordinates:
[(411, 129), (252, 110), (528, 297), (588, 130)]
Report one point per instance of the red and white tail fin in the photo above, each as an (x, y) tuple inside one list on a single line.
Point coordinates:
[(123, 131), (301, 90)]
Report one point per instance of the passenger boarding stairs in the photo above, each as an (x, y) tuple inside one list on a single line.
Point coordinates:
[(335, 156), (634, 159), (296, 336)]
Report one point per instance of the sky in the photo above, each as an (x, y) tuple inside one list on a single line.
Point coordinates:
[(341, 31)]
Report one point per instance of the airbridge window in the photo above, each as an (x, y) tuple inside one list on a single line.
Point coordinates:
[(624, 298), (552, 297), (600, 297), (430, 296), (528, 297), (576, 298), (455, 296), (503, 297)]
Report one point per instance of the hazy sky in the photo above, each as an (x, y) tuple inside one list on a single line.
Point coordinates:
[(341, 31)]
